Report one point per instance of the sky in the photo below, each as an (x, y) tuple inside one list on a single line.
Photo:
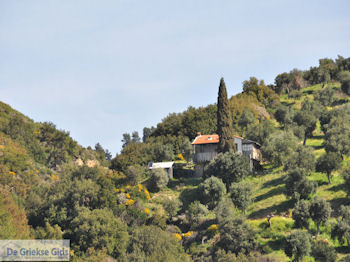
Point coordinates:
[(101, 68)]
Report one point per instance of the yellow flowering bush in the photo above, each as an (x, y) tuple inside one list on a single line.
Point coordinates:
[(213, 228), (127, 187), (178, 236), (122, 190), (188, 234), (54, 177), (12, 173), (116, 190), (148, 196), (139, 187), (127, 195), (180, 157), (129, 202), (146, 210)]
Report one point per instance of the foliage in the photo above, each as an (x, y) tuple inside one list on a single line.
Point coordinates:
[(345, 81), (260, 132), (258, 89), (327, 163), (212, 190), (237, 236), (322, 251), (225, 210), (298, 245), (246, 119), (134, 174), (241, 195), (279, 146), (346, 176), (224, 124), (159, 179), (150, 243), (337, 134), (171, 206), (341, 230), (229, 166), (298, 186), (196, 214), (326, 96), (302, 158), (320, 212), (301, 214)]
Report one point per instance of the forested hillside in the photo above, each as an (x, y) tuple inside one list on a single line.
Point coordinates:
[(296, 208)]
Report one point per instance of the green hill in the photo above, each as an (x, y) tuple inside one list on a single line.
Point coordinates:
[(53, 188)]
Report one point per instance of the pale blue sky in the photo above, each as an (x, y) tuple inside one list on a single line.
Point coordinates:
[(102, 68)]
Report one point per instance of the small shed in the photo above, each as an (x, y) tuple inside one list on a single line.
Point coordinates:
[(168, 166)]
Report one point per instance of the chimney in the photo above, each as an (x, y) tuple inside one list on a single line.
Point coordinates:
[(198, 133)]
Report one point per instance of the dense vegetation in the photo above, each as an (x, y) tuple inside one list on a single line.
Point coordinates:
[(296, 208)]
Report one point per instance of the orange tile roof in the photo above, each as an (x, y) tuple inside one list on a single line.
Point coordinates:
[(208, 139)]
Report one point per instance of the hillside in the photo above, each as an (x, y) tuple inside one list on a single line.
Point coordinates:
[(116, 209)]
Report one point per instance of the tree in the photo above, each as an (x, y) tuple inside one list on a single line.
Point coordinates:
[(135, 138), (320, 212), (224, 124), (327, 163), (225, 210), (341, 230), (159, 179), (298, 186), (237, 236), (171, 206), (279, 146), (196, 213), (98, 229), (298, 245), (241, 195), (260, 132), (303, 158), (322, 251), (337, 135), (346, 176), (326, 96), (247, 118), (134, 174), (345, 81), (212, 190), (284, 115), (126, 139), (306, 120), (150, 243), (230, 167), (147, 133), (301, 214)]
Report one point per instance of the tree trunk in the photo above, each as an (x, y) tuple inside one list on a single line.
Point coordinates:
[(318, 229), (329, 178), (305, 137)]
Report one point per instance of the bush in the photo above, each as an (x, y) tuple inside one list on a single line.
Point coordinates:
[(303, 158), (326, 96), (321, 251), (171, 206), (134, 174), (241, 195), (212, 190), (298, 245), (196, 213), (237, 236), (301, 214), (159, 179), (345, 81), (298, 186), (229, 166)]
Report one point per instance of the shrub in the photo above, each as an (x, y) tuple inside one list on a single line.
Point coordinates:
[(212, 190), (196, 213), (322, 251), (241, 195), (134, 174), (229, 166), (159, 179), (298, 244)]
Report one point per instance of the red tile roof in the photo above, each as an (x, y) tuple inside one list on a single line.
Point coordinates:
[(208, 139)]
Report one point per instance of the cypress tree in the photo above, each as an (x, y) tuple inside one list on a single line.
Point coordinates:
[(224, 124)]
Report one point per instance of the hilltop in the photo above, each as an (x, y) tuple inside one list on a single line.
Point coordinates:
[(53, 188)]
